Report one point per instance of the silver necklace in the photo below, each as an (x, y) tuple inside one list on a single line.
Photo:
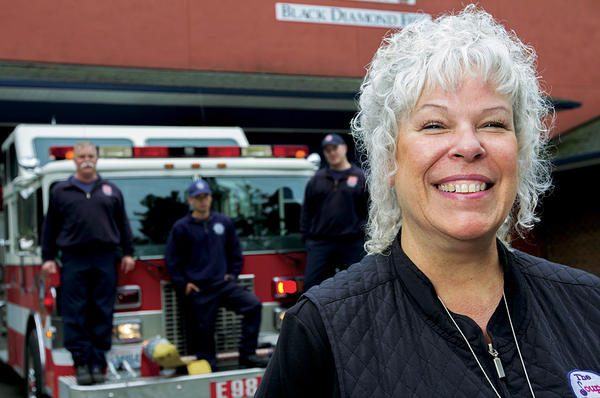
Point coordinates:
[(492, 351)]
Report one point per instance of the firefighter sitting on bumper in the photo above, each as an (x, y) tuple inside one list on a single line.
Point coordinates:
[(86, 221), (204, 258)]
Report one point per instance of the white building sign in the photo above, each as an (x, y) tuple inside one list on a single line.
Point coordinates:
[(345, 16)]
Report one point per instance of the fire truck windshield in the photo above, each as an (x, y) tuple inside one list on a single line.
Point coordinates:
[(265, 210)]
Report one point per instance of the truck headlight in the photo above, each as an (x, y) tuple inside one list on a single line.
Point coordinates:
[(127, 331)]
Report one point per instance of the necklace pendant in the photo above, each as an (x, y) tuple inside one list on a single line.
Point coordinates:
[(499, 368), (497, 362)]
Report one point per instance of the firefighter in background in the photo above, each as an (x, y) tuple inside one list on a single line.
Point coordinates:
[(85, 224), (204, 258), (334, 213)]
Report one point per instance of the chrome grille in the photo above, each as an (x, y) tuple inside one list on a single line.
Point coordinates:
[(173, 319), (228, 326)]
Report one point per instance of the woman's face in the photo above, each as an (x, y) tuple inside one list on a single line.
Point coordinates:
[(457, 163)]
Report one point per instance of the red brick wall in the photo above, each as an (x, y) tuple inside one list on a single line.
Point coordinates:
[(244, 36)]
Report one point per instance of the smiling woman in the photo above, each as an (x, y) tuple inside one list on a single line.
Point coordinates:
[(459, 140), (458, 49), (452, 124)]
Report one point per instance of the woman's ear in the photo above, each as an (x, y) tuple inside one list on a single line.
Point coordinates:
[(392, 181)]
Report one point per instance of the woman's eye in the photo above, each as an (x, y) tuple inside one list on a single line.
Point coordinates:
[(497, 125), (432, 126)]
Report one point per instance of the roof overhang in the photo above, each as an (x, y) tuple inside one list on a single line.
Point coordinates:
[(578, 147), (42, 92), (139, 86)]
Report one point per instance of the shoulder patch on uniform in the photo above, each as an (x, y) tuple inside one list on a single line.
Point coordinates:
[(352, 181), (107, 189), (219, 228), (584, 383)]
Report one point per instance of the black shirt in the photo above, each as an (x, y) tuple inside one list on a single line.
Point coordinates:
[(378, 327), (93, 221), (302, 365), (335, 209)]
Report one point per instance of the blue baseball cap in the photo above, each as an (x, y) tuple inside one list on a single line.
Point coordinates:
[(332, 139), (199, 187)]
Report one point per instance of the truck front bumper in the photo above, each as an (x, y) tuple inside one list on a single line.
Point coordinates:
[(230, 384)]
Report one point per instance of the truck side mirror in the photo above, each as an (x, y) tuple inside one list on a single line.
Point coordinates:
[(29, 163), (315, 159)]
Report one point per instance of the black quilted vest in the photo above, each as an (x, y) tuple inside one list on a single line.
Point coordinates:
[(390, 336)]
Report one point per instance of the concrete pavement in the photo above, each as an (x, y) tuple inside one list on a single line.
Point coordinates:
[(11, 385)]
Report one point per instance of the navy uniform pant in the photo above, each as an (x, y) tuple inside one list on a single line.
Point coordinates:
[(201, 308), (324, 258), (88, 292)]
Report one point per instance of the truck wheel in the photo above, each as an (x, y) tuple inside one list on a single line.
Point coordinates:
[(33, 368)]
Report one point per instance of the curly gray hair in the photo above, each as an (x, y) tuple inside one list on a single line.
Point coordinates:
[(437, 53)]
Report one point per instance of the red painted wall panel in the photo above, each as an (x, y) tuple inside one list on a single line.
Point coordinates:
[(150, 33), (244, 36)]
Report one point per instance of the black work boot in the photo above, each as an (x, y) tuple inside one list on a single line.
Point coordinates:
[(83, 375), (253, 361), (97, 375)]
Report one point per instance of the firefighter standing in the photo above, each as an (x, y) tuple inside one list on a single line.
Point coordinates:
[(85, 223), (334, 213), (204, 258)]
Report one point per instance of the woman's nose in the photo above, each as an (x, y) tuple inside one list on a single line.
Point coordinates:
[(467, 145)]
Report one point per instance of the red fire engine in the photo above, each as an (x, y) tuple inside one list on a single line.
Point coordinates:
[(260, 187)]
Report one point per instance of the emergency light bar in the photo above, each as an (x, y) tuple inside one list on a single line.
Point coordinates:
[(61, 152), (258, 151), (115, 152), (151, 152), (278, 151), (290, 151), (224, 152)]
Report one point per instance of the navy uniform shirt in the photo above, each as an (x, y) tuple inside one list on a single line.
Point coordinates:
[(80, 221), (335, 209), (203, 251)]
